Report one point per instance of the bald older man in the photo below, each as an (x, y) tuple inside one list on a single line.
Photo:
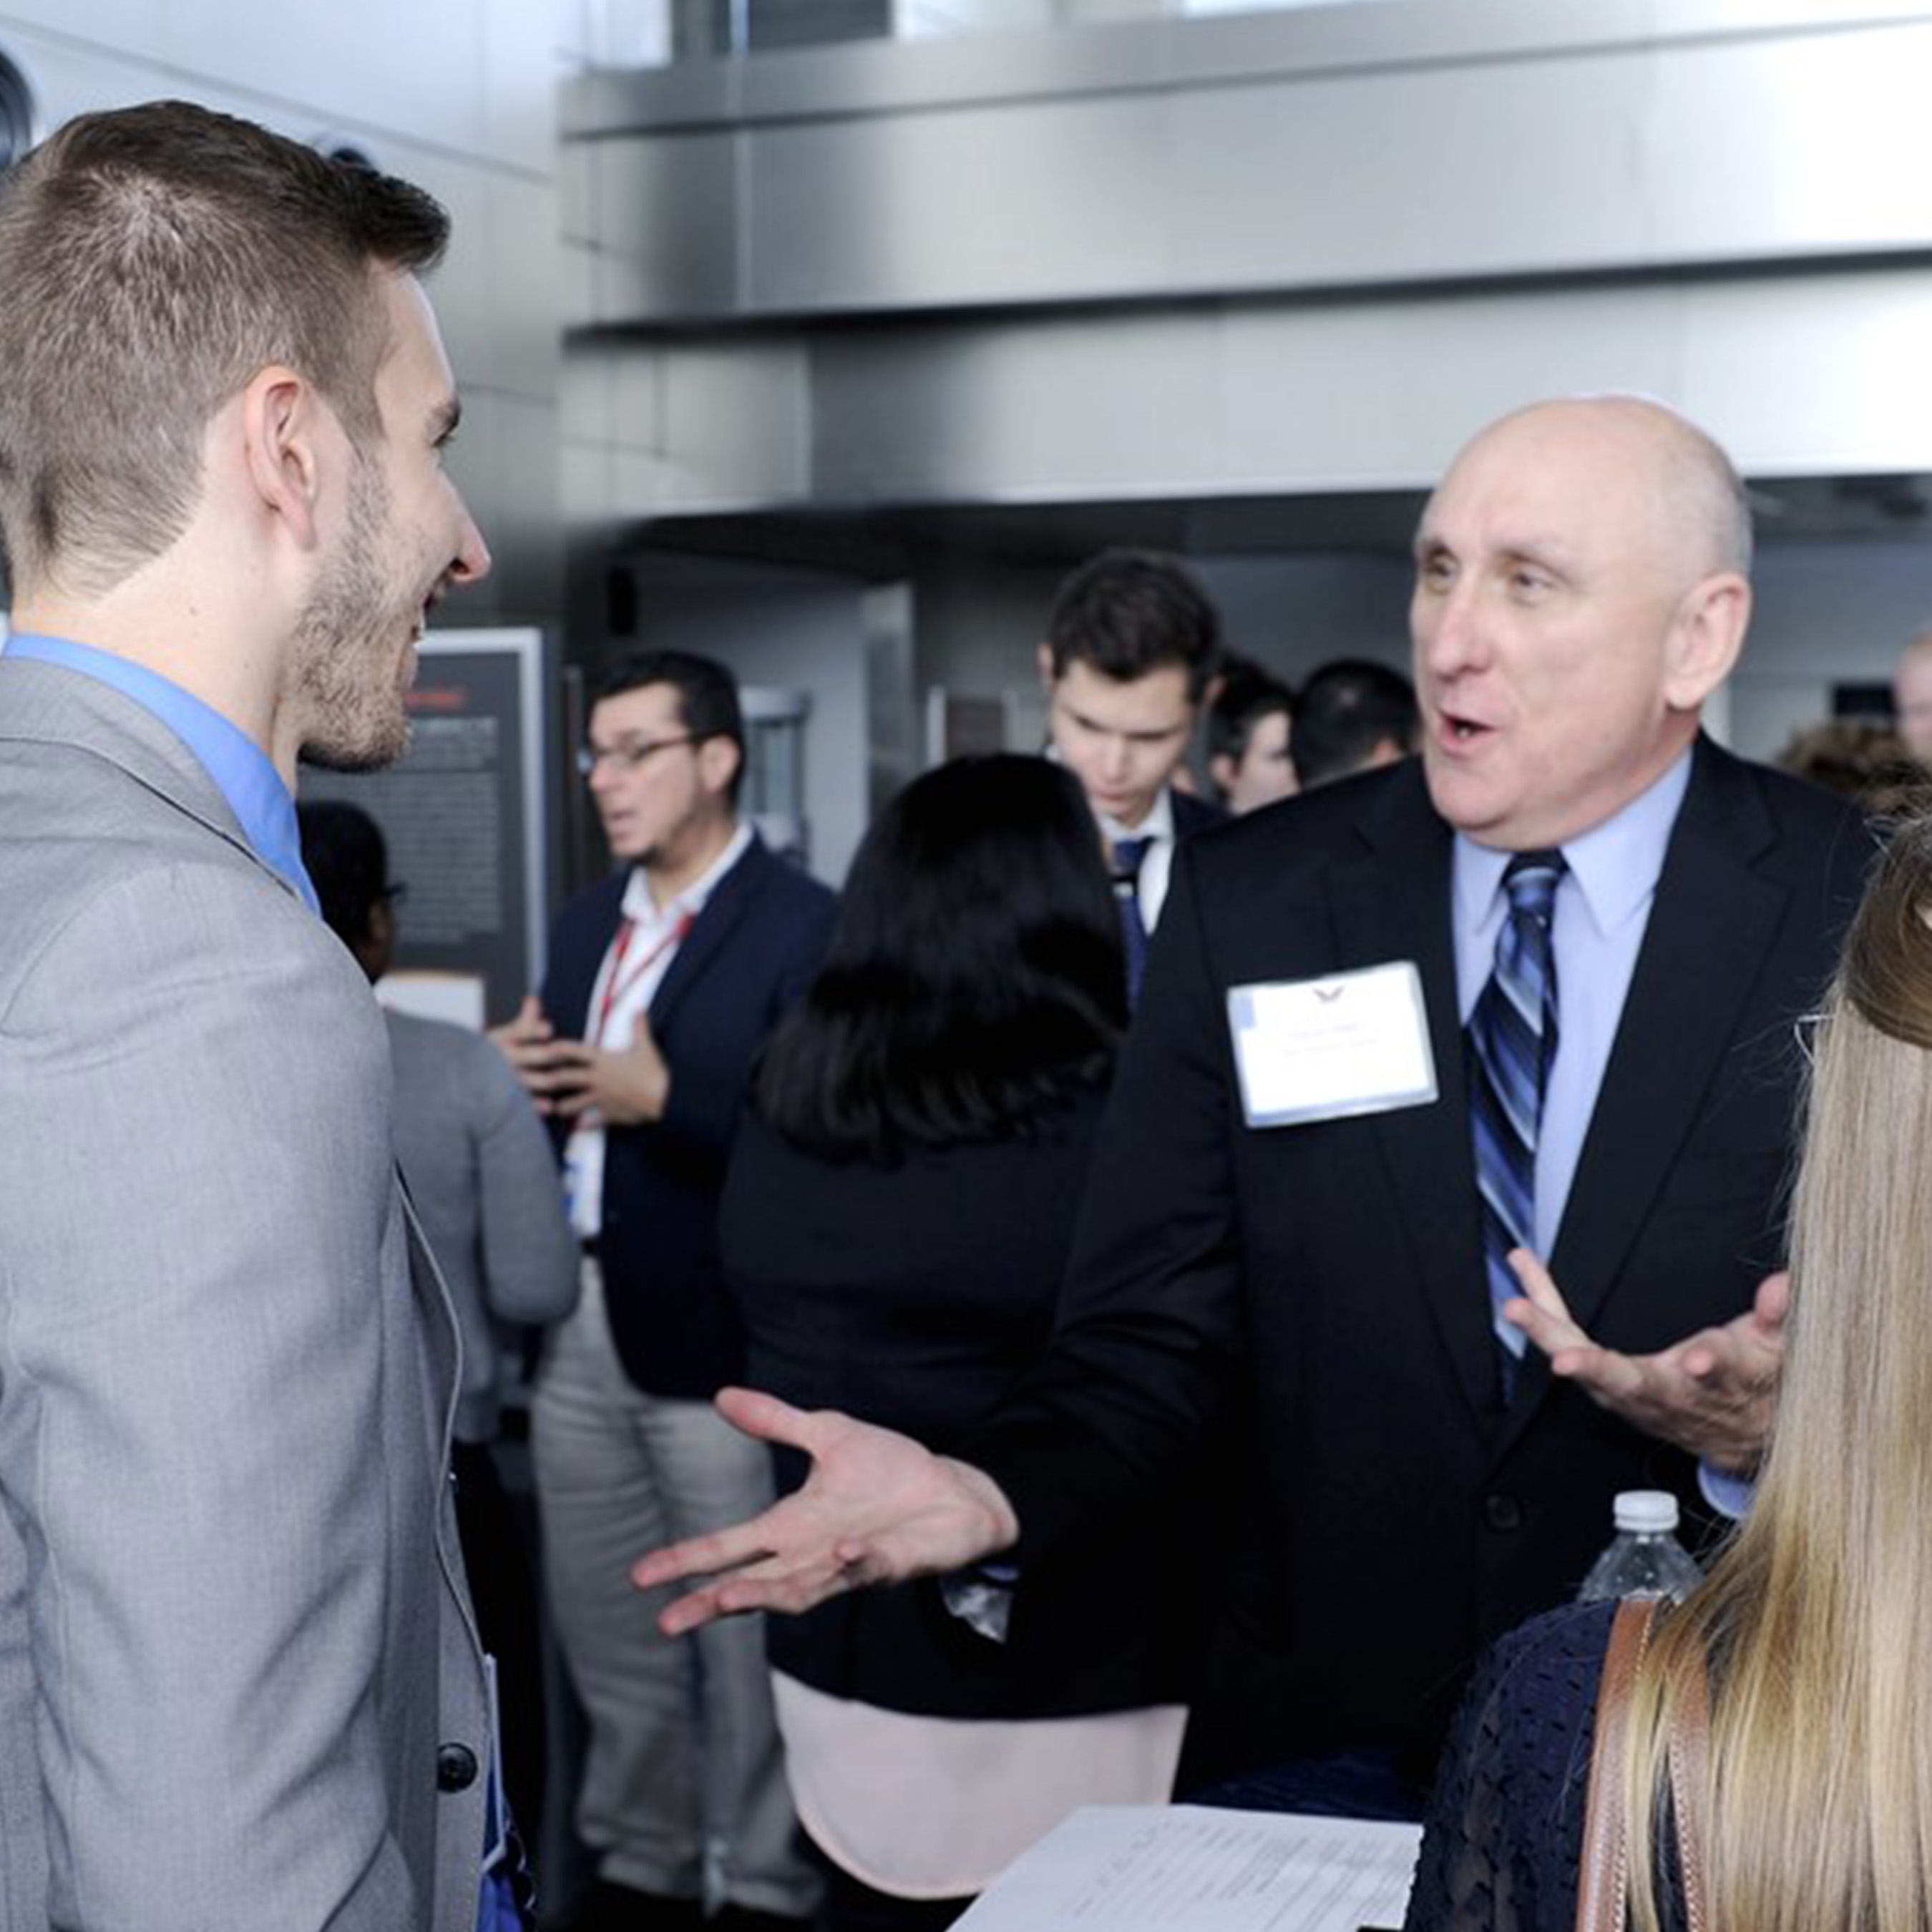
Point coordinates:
[(1384, 1065)]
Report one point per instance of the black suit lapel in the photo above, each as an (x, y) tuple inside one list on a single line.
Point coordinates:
[(1711, 924), (1393, 903)]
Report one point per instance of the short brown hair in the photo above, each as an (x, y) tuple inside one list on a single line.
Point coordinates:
[(1128, 612), (154, 258)]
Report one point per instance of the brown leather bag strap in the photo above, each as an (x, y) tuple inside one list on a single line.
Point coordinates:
[(1604, 1879), (1603, 1886), (1689, 1758)]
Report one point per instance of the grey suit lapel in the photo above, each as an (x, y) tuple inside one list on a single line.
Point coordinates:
[(442, 1368)]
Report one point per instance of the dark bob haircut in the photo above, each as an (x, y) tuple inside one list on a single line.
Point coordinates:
[(974, 981), (347, 863)]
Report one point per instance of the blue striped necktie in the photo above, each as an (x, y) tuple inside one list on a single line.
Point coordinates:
[(1512, 1043), (1129, 855)]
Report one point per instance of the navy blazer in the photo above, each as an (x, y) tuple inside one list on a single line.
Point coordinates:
[(751, 952), (1330, 1274)]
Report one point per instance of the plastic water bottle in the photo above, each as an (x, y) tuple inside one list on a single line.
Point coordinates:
[(1645, 1557)]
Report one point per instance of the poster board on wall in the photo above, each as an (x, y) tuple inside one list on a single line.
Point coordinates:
[(465, 815)]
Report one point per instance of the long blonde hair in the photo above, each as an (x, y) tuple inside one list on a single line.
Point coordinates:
[(1817, 1621)]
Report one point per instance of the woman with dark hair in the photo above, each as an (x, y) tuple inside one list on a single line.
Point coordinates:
[(897, 1218)]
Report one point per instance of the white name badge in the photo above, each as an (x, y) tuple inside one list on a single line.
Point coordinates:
[(1324, 1049)]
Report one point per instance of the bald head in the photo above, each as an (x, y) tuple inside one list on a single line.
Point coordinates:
[(1702, 513), (1580, 591)]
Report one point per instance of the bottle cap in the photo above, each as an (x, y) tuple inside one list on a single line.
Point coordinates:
[(1645, 1512)]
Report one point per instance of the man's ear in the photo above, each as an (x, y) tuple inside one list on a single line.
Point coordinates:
[(719, 759), (1706, 638), (280, 415), (1044, 658)]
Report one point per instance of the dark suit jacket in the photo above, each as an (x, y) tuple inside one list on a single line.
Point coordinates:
[(914, 1295), (1331, 1275), (752, 951), (1192, 814)]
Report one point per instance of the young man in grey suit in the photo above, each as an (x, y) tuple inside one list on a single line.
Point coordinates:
[(239, 1682), (1274, 1218)]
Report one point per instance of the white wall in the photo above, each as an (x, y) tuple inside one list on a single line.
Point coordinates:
[(459, 95), (799, 630)]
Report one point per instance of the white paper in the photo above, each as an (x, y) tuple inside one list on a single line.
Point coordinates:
[(1190, 1868), (1322, 1049)]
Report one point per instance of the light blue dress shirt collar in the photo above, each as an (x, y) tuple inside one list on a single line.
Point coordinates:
[(1615, 865), (241, 770), (1602, 910)]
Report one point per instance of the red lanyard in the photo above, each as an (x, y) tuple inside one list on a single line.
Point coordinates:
[(618, 983)]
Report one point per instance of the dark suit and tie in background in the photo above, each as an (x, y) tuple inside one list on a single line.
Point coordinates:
[(1411, 1486), (1133, 648)]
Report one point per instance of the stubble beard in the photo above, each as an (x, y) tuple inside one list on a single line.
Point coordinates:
[(347, 674)]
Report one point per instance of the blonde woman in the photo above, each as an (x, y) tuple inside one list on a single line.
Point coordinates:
[(1817, 1623)]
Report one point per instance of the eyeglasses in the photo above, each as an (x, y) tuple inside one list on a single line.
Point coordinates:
[(631, 758)]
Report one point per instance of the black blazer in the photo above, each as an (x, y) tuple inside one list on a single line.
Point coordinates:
[(1330, 1276), (915, 1295), (752, 951)]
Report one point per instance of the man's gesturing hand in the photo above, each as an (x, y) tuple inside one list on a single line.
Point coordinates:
[(877, 1508), (1711, 1393)]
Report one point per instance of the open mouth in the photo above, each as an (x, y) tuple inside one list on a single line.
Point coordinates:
[(1464, 732)]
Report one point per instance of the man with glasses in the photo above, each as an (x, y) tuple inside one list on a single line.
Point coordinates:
[(661, 982)]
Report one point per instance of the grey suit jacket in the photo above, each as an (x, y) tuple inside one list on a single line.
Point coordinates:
[(479, 1169), (235, 1638)]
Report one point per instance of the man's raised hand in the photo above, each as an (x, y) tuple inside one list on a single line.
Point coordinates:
[(1711, 1393)]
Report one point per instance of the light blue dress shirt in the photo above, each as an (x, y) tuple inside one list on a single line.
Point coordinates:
[(1603, 906), (241, 769)]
